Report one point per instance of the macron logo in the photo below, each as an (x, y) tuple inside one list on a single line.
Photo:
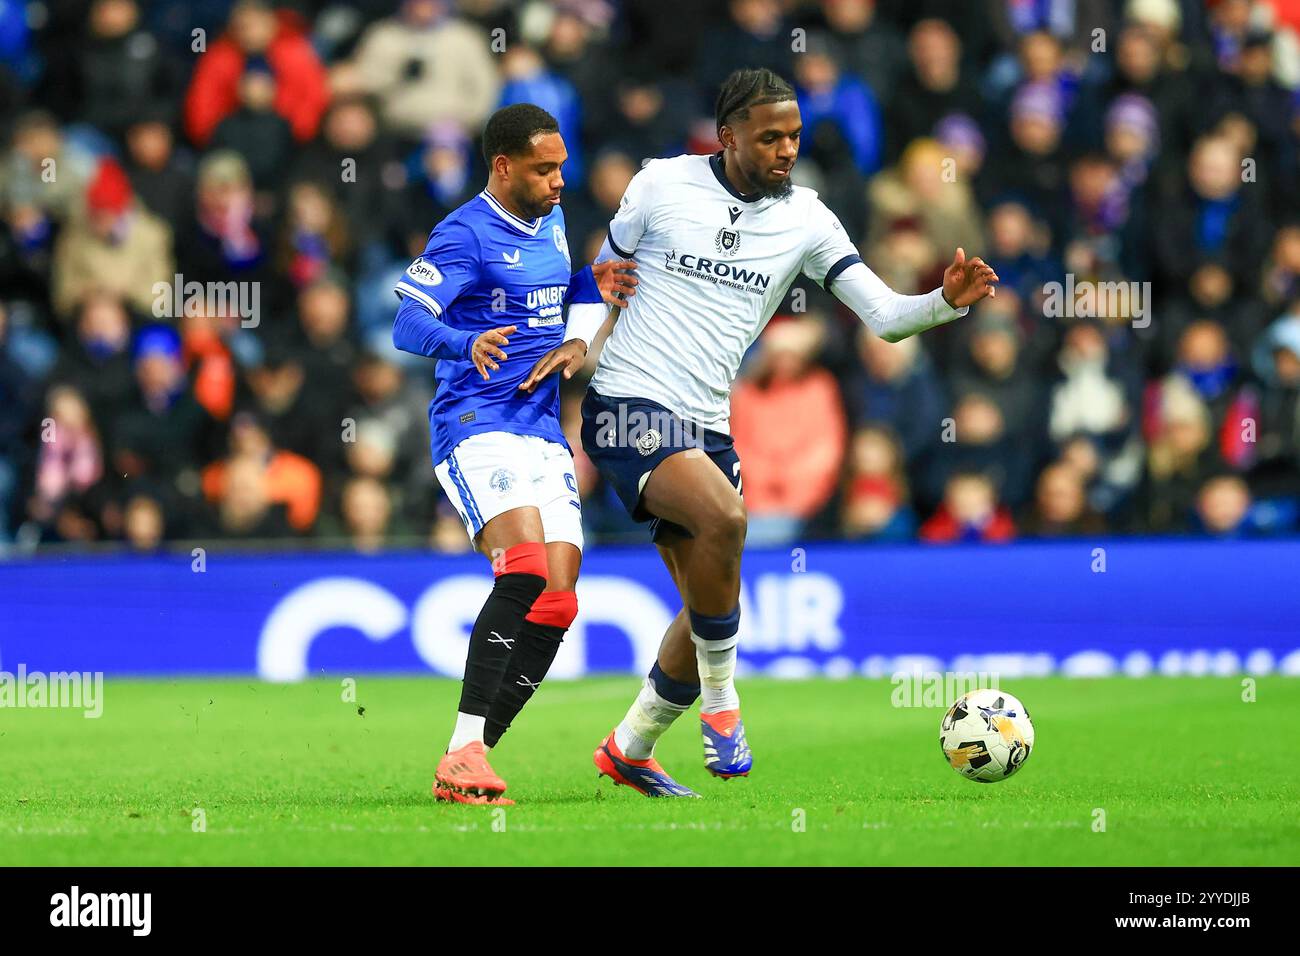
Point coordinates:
[(103, 909)]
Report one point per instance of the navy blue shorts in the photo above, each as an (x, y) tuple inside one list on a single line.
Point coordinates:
[(627, 438)]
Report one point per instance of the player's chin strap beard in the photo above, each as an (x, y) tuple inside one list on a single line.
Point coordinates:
[(765, 190), (773, 190), (779, 190), (528, 208)]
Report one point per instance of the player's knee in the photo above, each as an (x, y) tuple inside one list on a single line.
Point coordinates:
[(727, 525), (564, 575), (554, 608), (522, 571)]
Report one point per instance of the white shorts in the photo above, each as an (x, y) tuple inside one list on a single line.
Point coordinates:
[(493, 472)]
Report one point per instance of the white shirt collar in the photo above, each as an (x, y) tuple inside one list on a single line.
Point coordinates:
[(523, 225)]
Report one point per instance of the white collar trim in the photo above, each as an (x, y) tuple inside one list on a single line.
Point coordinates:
[(523, 225)]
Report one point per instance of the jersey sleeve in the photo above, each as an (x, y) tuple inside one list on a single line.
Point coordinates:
[(633, 216), (418, 331), (891, 315), (448, 267), (830, 250), (583, 288)]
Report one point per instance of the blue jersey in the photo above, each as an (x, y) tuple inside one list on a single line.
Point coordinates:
[(484, 268)]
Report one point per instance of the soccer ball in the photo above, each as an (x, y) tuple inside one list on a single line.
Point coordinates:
[(986, 735)]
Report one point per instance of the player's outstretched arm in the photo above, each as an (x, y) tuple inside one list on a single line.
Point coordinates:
[(894, 316)]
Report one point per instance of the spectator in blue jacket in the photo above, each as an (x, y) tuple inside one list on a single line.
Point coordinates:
[(827, 95)]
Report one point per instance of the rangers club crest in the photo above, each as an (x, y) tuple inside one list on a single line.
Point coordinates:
[(502, 480), (727, 241), (561, 243)]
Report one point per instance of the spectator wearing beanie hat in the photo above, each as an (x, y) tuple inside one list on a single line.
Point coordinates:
[(163, 431)]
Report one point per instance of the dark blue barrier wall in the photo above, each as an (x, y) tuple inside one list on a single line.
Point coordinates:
[(1157, 607)]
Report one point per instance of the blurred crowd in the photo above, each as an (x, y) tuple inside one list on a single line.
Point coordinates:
[(304, 150)]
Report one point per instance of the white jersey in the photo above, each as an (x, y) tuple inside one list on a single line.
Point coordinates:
[(713, 266)]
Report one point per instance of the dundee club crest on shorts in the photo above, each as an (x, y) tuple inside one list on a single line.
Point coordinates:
[(649, 442)]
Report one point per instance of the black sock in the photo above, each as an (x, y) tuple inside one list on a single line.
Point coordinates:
[(495, 634), (532, 657)]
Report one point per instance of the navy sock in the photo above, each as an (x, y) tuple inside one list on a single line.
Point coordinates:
[(673, 691)]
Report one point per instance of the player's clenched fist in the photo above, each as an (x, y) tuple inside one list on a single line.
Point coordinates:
[(568, 357), (487, 349)]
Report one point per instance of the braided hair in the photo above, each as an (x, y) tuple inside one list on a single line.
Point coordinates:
[(746, 88)]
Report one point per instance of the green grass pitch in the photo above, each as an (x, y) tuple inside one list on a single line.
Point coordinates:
[(1184, 770)]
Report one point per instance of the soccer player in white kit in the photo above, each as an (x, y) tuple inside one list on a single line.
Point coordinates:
[(718, 241)]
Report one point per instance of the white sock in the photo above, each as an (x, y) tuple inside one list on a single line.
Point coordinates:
[(468, 729), (648, 717), (717, 676)]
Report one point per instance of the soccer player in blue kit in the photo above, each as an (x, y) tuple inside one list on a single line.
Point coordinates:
[(495, 274)]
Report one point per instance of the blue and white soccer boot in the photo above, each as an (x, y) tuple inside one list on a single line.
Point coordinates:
[(726, 752), (646, 777)]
